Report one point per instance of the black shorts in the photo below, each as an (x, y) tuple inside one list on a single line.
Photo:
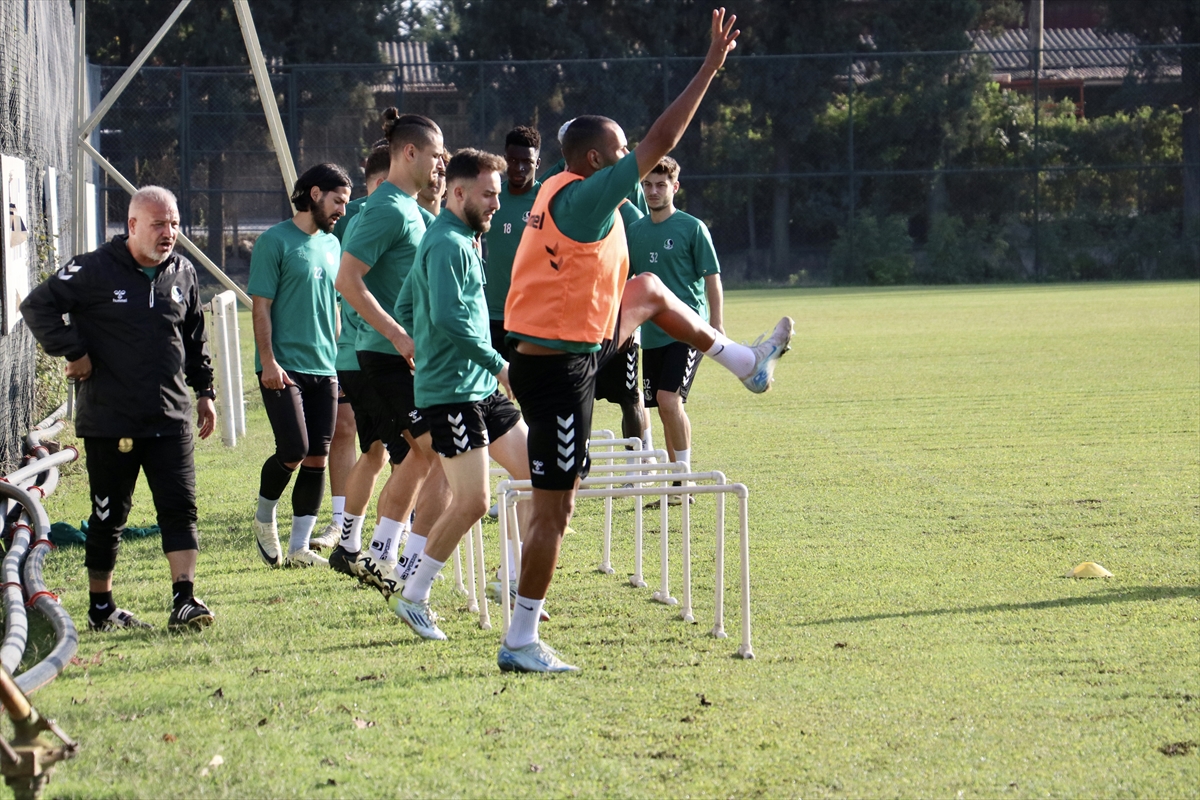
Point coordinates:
[(617, 381), (113, 466), (354, 384), (389, 397), (499, 338), (556, 394), (670, 368), (459, 427), (302, 415)]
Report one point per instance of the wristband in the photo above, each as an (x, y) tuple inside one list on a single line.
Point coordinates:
[(210, 393)]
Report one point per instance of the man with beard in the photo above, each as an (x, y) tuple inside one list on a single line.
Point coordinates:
[(376, 259), (458, 375), (292, 271), (135, 338)]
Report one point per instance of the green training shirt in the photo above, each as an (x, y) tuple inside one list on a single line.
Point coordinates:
[(637, 196), (502, 240), (347, 357), (426, 215), (385, 238), (352, 209), (442, 305), (679, 250), (295, 271)]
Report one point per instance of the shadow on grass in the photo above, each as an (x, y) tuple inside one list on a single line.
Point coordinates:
[(1131, 595)]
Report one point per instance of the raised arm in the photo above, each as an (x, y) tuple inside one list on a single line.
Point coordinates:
[(668, 129)]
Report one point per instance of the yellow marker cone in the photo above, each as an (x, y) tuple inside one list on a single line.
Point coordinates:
[(1089, 569)]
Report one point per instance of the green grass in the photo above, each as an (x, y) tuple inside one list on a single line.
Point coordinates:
[(930, 464)]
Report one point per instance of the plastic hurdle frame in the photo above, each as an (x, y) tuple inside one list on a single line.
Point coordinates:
[(227, 343), (510, 491)]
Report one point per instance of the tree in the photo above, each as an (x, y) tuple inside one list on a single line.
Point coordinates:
[(1168, 21)]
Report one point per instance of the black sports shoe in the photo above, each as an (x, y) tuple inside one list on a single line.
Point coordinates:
[(191, 614), (119, 618), (343, 561)]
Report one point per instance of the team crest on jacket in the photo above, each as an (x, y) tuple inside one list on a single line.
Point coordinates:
[(669, 244), (177, 294)]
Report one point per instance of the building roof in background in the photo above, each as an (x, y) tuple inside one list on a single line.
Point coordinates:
[(417, 73), (1068, 54)]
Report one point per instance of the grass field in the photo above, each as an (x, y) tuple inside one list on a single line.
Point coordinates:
[(930, 464)]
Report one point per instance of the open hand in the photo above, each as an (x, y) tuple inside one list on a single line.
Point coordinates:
[(724, 39)]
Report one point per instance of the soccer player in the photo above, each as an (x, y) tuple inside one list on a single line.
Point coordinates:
[(135, 342), (341, 450), (376, 259), (458, 374), (677, 248), (522, 157), (570, 308), (295, 347), (360, 480), (430, 198)]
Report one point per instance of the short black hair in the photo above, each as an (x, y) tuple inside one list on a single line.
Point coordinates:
[(524, 136), (586, 133), (401, 129), (469, 162), (325, 177), (378, 162)]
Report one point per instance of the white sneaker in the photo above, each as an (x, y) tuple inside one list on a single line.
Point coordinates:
[(304, 558), (328, 538), (392, 584), (267, 536), (418, 616), (376, 570), (767, 354)]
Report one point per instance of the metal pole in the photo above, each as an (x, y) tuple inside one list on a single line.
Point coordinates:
[(850, 156), (266, 94), (1037, 173), (79, 180), (185, 173), (130, 72)]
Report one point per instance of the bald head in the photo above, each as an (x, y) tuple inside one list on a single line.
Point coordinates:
[(153, 225)]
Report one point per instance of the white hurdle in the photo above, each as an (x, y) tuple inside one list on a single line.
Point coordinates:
[(511, 491), (228, 353)]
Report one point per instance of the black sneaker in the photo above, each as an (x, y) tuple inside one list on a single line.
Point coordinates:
[(118, 619), (192, 614), (343, 561)]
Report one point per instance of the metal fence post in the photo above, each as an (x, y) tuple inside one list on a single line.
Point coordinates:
[(1037, 169), (185, 173), (850, 155)]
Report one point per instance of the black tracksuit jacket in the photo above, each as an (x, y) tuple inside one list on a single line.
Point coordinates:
[(145, 338)]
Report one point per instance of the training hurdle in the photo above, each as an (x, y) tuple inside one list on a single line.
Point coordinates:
[(228, 349), (510, 492)]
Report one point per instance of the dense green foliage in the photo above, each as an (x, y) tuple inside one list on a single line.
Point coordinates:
[(927, 468)]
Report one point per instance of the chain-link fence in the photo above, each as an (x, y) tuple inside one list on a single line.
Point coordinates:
[(36, 56), (843, 168)]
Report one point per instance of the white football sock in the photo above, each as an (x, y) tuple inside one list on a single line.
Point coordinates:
[(302, 528), (266, 509), (413, 547), (352, 532), (684, 457), (523, 629), (737, 358), (513, 544), (339, 507), (386, 539), (418, 584)]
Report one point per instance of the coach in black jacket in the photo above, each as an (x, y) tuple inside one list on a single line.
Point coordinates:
[(135, 338)]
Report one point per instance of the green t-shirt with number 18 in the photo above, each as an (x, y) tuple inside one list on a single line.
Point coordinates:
[(502, 239), (679, 250)]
